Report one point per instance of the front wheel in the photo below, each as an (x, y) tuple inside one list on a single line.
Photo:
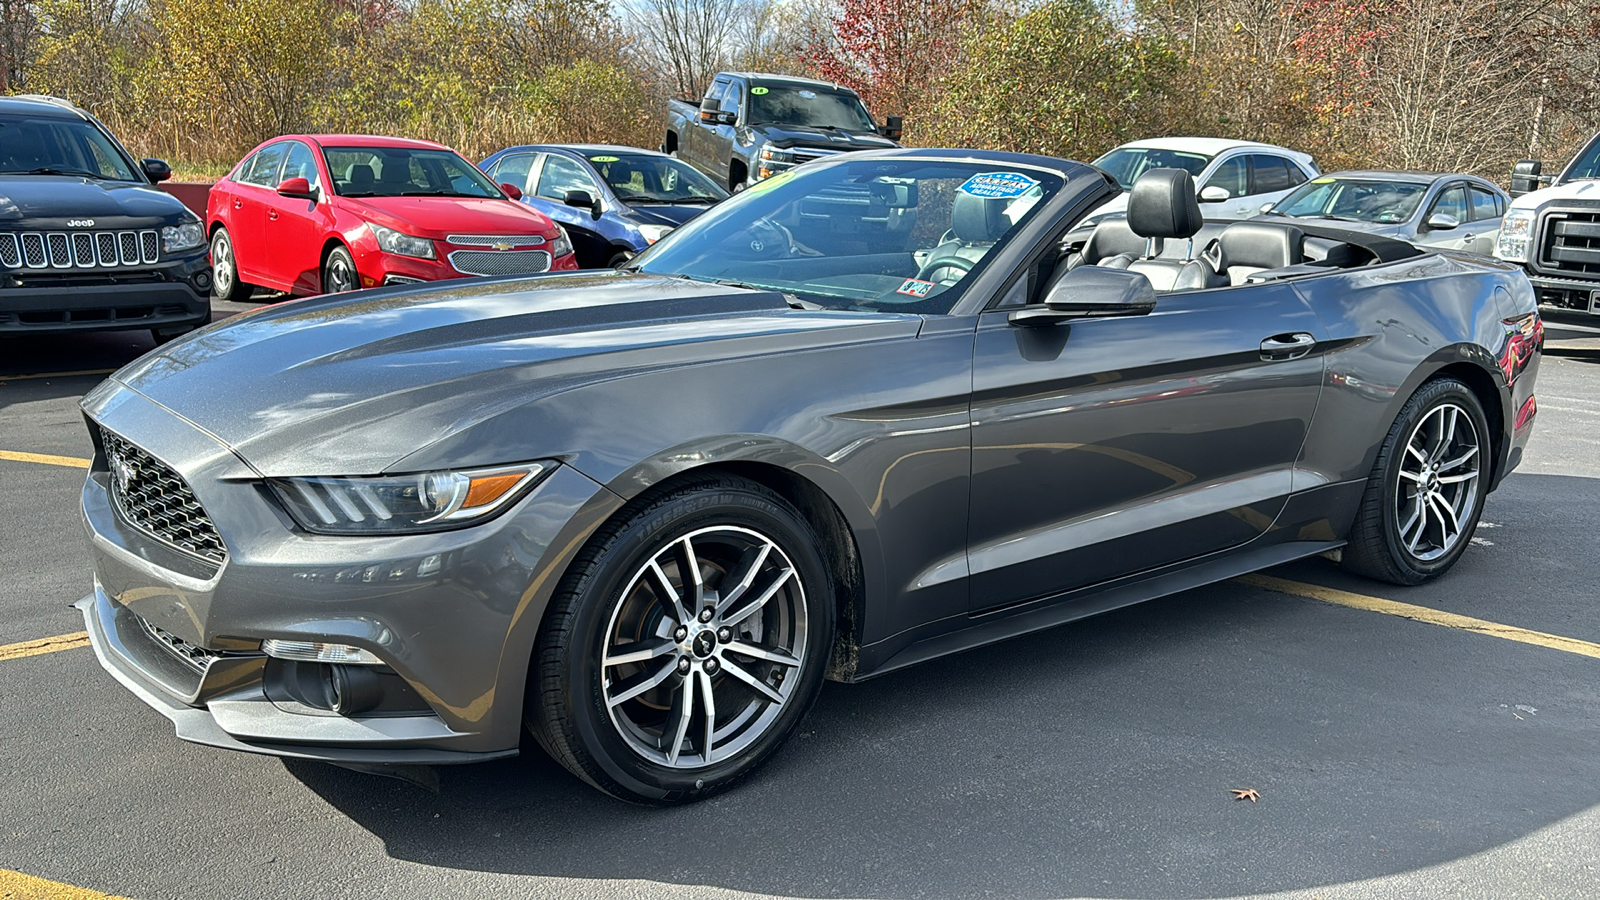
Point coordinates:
[(339, 272), (686, 642), (1426, 490), (225, 283)]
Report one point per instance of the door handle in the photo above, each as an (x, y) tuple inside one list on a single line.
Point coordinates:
[(238, 204), (1467, 236), (272, 214), (1281, 347)]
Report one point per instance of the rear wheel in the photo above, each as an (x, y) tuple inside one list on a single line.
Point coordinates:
[(225, 283), (339, 272), (1426, 490), (684, 645), (618, 260)]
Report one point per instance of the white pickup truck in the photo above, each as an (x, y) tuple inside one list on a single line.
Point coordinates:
[(1554, 232)]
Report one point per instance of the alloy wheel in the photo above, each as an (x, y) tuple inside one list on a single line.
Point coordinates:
[(222, 264), (1436, 494), (704, 647)]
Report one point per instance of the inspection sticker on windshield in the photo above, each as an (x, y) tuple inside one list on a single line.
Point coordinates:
[(758, 91), (915, 288), (994, 185), (602, 159), (1322, 181)]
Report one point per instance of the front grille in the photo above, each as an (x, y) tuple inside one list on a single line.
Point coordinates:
[(495, 240), (196, 658), (807, 154), (78, 249), (1571, 242), (156, 500), (507, 262)]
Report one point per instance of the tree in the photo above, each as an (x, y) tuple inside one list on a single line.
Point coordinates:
[(893, 51)]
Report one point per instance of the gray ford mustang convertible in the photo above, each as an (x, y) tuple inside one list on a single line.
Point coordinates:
[(866, 413)]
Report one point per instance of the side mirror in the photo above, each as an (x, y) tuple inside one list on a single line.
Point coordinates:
[(892, 128), (1090, 292), (1214, 194), (1442, 222), (582, 200), (1526, 176), (1266, 208), (156, 169), (511, 190), (708, 110), (296, 189)]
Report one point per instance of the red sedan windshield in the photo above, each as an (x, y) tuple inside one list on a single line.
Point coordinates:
[(405, 172)]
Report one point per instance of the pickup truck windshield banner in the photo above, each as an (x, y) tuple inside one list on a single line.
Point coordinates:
[(994, 185)]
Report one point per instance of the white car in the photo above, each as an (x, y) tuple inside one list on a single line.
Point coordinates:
[(1236, 178)]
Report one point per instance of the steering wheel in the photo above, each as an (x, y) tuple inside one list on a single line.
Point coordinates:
[(961, 264)]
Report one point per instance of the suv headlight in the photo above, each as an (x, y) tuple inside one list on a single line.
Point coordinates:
[(1516, 230), (189, 234), (402, 244), (653, 233), (405, 504), (777, 155), (562, 245)]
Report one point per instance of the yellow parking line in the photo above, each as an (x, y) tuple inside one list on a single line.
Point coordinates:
[(17, 886), (71, 462), (39, 647), (57, 374), (1424, 614)]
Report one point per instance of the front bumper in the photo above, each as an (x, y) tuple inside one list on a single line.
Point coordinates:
[(377, 268), (453, 616), (174, 293), (1566, 293)]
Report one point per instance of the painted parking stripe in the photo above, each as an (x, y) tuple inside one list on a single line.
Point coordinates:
[(71, 462), (42, 646), (17, 886), (76, 374), (1423, 614)]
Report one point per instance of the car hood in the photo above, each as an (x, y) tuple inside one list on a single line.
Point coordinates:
[(802, 135), (352, 384), (56, 198), (1380, 229), (436, 217), (1588, 191), (673, 214)]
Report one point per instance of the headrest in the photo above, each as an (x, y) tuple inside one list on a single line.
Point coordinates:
[(1112, 237), (395, 171), (620, 172), (1270, 245), (979, 220), (359, 173), (1163, 205)]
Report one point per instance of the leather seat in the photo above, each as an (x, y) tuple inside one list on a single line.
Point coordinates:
[(1162, 207), (1112, 245), (359, 175), (975, 224), (1245, 248)]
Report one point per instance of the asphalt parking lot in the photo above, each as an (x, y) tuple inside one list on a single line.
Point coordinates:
[(1392, 757)]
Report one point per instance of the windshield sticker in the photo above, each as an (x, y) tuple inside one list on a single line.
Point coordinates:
[(758, 91), (807, 95), (1322, 181), (602, 159), (767, 184), (915, 287), (996, 185)]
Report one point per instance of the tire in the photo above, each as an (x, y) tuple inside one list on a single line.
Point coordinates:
[(618, 260), (339, 272), (593, 711), (225, 283), (1426, 490)]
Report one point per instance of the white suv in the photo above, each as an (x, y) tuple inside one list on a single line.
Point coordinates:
[(1236, 178)]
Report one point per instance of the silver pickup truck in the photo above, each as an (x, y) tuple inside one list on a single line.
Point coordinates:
[(751, 126)]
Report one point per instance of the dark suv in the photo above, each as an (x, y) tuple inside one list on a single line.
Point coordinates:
[(86, 239)]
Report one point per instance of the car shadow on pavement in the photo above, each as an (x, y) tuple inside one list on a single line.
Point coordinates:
[(1094, 759)]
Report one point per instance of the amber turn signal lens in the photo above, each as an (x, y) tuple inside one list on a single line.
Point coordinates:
[(489, 488)]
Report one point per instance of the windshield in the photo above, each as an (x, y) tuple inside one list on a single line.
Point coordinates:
[(655, 179), (405, 172), (46, 145), (804, 106), (1357, 200), (1586, 165), (902, 235), (1126, 164)]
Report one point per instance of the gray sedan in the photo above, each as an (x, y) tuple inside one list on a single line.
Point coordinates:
[(1429, 209), (861, 415)]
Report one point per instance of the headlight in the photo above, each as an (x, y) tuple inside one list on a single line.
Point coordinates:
[(1516, 230), (186, 235), (562, 245), (653, 233), (404, 504), (774, 154), (401, 244)]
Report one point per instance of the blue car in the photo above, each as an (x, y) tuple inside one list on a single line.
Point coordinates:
[(613, 201)]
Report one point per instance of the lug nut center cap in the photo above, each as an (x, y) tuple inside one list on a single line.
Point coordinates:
[(704, 644)]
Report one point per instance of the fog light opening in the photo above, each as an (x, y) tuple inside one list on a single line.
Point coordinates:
[(352, 690)]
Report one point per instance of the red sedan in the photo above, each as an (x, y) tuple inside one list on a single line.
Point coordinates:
[(314, 214)]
